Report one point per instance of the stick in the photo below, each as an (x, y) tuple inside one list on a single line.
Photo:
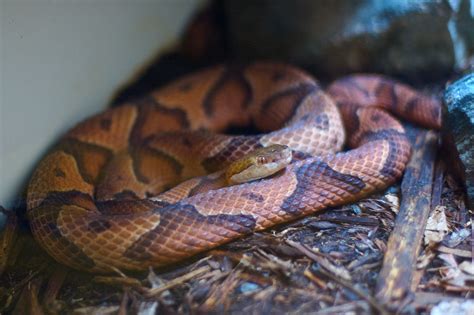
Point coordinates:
[(177, 281), (394, 282)]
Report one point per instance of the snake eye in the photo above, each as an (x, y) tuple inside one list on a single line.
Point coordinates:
[(261, 160)]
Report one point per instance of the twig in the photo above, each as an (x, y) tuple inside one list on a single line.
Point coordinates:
[(123, 304), (455, 251), (177, 281), (220, 294), (338, 271), (55, 283), (320, 283)]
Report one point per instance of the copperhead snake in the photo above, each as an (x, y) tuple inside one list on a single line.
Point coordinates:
[(96, 200)]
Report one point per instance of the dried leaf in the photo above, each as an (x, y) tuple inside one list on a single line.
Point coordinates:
[(455, 275), (437, 226), (467, 267), (394, 202)]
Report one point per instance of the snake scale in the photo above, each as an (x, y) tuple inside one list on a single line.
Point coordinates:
[(96, 200)]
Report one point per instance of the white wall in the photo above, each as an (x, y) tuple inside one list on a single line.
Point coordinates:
[(61, 60)]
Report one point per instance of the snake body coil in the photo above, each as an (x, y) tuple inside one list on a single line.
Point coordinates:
[(90, 199)]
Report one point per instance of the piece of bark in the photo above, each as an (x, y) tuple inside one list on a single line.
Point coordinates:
[(394, 282)]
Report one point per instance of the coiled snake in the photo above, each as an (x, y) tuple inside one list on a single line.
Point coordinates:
[(94, 201)]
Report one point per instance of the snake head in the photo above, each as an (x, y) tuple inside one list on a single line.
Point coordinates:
[(258, 164)]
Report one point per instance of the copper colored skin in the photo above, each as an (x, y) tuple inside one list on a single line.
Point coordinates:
[(96, 200)]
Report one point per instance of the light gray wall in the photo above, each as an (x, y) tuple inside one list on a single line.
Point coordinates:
[(61, 60)]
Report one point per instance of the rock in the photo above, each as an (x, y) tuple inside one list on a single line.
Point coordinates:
[(247, 287), (417, 40), (459, 122)]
